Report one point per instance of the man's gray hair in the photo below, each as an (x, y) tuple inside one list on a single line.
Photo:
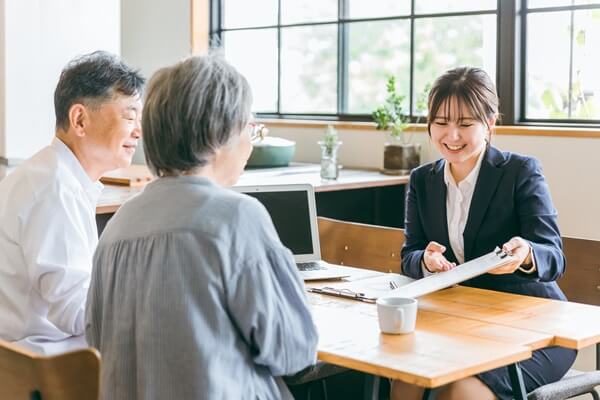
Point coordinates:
[(192, 109)]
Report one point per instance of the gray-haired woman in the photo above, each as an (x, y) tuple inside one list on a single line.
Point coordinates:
[(193, 295)]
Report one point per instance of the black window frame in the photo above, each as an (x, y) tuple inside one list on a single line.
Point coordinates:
[(526, 11), (511, 49)]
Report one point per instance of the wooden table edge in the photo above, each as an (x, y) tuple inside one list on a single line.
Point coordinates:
[(522, 354)]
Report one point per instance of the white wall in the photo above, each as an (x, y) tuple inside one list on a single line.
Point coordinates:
[(571, 166), (39, 38), (155, 34)]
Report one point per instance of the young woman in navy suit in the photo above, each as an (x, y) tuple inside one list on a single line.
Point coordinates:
[(476, 198)]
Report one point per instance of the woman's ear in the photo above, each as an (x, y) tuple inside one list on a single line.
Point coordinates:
[(492, 121)]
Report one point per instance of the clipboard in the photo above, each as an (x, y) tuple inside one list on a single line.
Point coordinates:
[(370, 289), (458, 274), (366, 289)]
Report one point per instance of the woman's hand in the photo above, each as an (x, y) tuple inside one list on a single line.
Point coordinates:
[(520, 250), (434, 259)]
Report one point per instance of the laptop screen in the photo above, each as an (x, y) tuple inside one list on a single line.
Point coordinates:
[(290, 213)]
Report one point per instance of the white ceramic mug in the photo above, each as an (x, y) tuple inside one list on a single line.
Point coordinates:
[(397, 314)]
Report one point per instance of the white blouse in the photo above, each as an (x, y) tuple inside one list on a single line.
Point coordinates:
[(458, 202)]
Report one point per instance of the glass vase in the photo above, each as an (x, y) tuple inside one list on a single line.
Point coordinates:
[(329, 160)]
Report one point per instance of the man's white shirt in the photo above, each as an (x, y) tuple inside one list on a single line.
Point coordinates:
[(48, 236)]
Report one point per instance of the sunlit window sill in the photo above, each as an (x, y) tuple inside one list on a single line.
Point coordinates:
[(519, 130)]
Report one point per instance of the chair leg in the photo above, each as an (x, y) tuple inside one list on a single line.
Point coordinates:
[(598, 356), (324, 389), (516, 379), (35, 395), (428, 394), (371, 391)]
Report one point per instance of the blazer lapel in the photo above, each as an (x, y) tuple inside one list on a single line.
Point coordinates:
[(436, 206), (487, 182)]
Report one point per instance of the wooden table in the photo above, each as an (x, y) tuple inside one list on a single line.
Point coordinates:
[(572, 325), (460, 332)]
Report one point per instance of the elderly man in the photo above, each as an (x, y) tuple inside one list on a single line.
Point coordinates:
[(47, 205)]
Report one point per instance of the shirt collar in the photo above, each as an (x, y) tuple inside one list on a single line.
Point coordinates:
[(65, 154), (469, 179)]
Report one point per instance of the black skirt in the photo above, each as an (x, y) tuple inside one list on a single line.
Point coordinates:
[(545, 366)]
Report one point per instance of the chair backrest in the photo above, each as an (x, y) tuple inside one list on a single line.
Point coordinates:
[(70, 376), (360, 245), (581, 282)]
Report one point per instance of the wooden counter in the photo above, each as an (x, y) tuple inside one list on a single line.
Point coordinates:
[(113, 196)]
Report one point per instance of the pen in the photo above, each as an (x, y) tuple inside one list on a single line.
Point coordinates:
[(345, 293)]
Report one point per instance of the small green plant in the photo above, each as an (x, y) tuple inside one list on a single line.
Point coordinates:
[(392, 115), (331, 139)]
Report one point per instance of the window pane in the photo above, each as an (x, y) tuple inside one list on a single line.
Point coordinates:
[(447, 42), (243, 13), (558, 3), (296, 11), (309, 69), (257, 63), (550, 95), (443, 6), (547, 80), (585, 91), (378, 8), (377, 50)]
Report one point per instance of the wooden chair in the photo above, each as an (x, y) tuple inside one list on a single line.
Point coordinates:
[(581, 284), (28, 376), (360, 245), (356, 245)]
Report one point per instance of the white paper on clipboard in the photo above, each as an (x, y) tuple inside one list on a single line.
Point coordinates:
[(458, 274)]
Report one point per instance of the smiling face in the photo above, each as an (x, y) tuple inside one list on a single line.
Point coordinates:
[(459, 136), (112, 132)]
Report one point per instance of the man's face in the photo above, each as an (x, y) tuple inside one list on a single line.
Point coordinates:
[(112, 132)]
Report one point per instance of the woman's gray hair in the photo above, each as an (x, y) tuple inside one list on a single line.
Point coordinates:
[(192, 109)]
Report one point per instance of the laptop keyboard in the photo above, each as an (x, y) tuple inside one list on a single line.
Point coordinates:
[(310, 266)]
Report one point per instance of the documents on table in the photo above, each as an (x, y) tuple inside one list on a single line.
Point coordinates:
[(368, 289), (371, 289)]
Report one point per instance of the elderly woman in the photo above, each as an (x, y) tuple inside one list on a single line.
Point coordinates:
[(193, 296)]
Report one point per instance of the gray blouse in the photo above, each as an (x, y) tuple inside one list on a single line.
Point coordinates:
[(193, 296)]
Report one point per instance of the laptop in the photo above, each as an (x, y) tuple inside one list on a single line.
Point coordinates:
[(294, 213)]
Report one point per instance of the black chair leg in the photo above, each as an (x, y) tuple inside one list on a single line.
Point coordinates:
[(35, 395), (428, 394), (324, 389), (516, 378), (371, 390)]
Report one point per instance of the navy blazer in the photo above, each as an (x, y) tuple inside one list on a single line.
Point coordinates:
[(511, 198)]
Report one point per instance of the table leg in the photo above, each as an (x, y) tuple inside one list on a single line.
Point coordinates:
[(428, 394), (371, 391), (598, 356), (516, 378)]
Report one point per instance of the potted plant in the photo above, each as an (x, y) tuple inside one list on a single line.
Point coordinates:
[(329, 148), (400, 155)]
